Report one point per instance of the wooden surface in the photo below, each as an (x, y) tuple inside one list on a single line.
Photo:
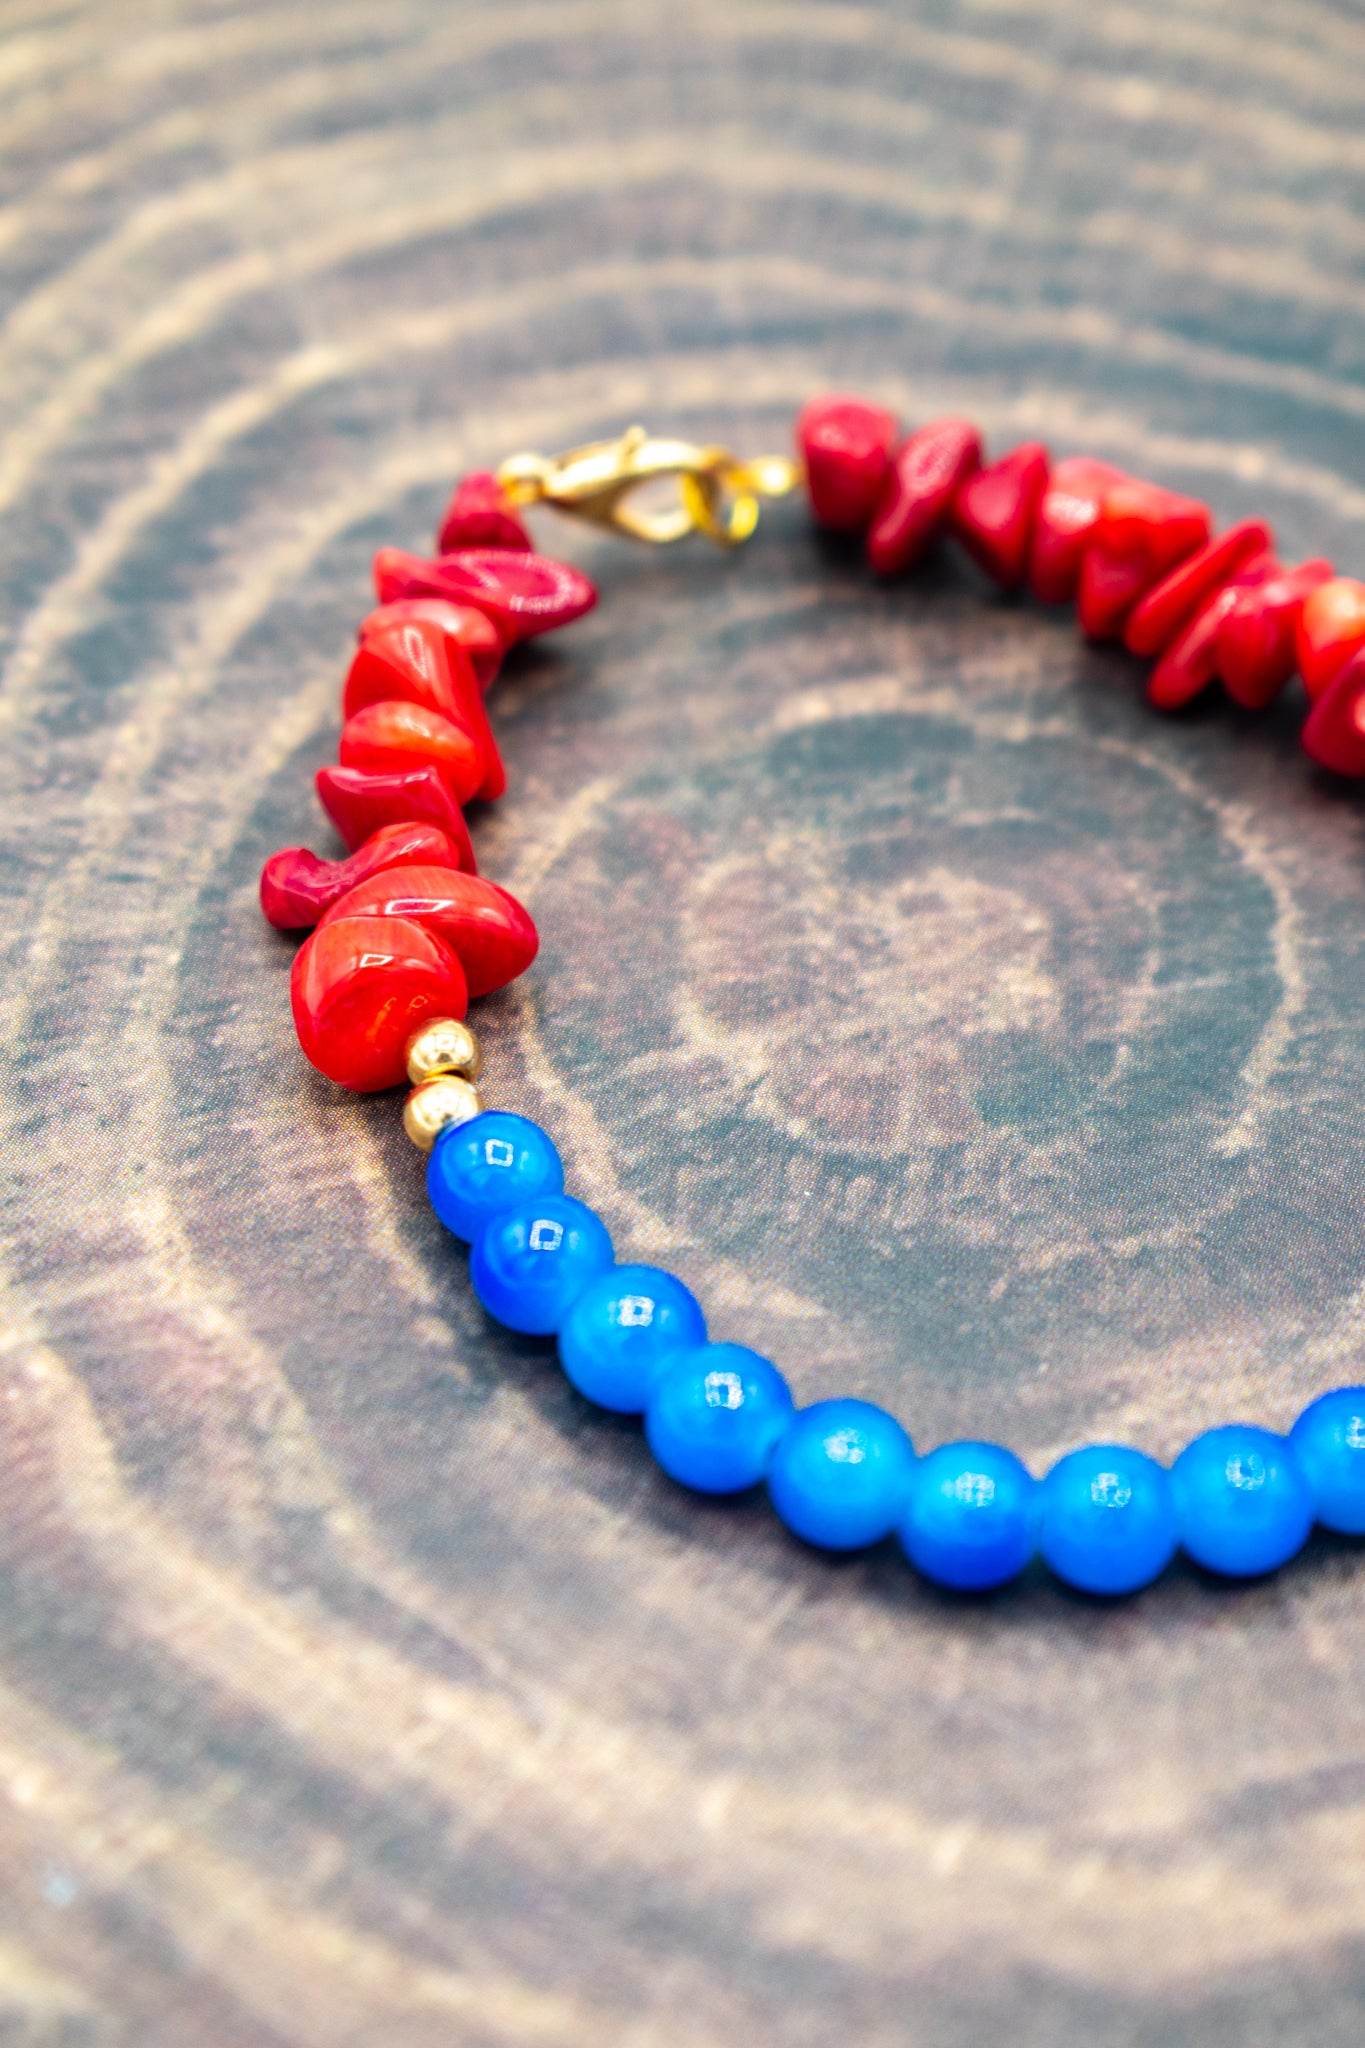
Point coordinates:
[(968, 1036)]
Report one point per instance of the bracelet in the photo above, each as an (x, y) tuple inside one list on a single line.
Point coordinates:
[(406, 932)]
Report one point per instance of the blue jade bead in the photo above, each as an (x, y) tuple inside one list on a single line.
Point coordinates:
[(625, 1326), (494, 1160), (1329, 1442), (972, 1517), (531, 1262), (1242, 1504), (842, 1474), (1108, 1519), (715, 1417)]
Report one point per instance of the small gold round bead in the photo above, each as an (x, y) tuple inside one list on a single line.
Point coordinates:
[(446, 1099), (444, 1047)]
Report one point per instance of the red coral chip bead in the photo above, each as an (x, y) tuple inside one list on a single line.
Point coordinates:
[(1142, 533), (926, 472), (463, 625), (1190, 663), (845, 444), (1067, 515), (480, 515), (522, 594), (1167, 609), (994, 512), (1256, 636), (490, 931), (1331, 627), (398, 735), (1334, 730), (359, 800), (412, 660), (361, 986), (298, 886)]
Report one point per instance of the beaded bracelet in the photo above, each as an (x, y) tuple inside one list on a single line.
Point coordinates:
[(407, 932)]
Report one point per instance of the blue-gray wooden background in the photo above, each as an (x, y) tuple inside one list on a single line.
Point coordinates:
[(968, 1036)]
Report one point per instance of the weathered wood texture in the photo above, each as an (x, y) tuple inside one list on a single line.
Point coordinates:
[(968, 1036)]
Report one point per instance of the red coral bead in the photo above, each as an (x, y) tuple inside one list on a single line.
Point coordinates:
[(1334, 730), (297, 886), (1067, 516), (463, 625), (1142, 533), (359, 800), (397, 735), (1331, 627), (1155, 622), (994, 512), (480, 515), (361, 986), (1190, 663), (926, 472), (1256, 637), (522, 594), (845, 444), (490, 931), (413, 661)]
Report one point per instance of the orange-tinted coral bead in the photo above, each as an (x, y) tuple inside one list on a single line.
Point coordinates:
[(994, 512), (1331, 627), (845, 444), (414, 661), (360, 988), (297, 886), (489, 930), (471, 630), (1067, 516), (397, 736), (359, 800), (1334, 730)]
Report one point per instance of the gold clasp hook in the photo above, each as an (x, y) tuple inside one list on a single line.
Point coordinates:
[(718, 493)]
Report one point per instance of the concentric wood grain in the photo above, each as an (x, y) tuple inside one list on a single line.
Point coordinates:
[(967, 1036)]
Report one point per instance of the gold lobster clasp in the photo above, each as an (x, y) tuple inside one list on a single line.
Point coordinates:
[(718, 494)]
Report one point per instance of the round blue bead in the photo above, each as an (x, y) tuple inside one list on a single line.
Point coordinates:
[(531, 1262), (624, 1327), (715, 1417), (1242, 1504), (478, 1168), (971, 1516), (1329, 1443), (1108, 1520), (842, 1473)]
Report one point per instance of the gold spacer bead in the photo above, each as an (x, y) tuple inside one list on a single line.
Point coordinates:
[(444, 1100), (444, 1047)]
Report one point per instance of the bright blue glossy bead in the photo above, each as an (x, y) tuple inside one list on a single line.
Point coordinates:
[(1329, 1443), (1108, 1519), (971, 1519), (624, 1327), (716, 1416), (1242, 1504), (842, 1473), (532, 1261), (494, 1160)]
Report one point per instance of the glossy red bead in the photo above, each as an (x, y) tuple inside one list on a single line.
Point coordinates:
[(462, 625), (1334, 730), (1142, 533), (1190, 663), (490, 931), (845, 444), (298, 886), (994, 512), (1256, 636), (359, 800), (1068, 513), (480, 515), (1331, 627), (926, 472), (412, 660), (398, 736), (361, 986), (522, 594), (1162, 614)]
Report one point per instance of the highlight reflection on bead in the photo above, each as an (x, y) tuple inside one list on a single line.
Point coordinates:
[(445, 1046), (436, 1105)]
